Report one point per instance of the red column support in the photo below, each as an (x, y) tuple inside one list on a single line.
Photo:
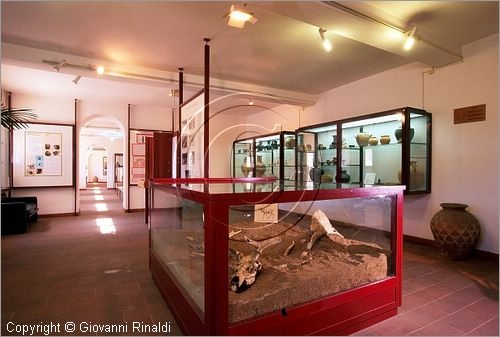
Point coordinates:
[(206, 124)]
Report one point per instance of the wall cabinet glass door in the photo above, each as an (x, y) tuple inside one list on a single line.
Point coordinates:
[(265, 156), (386, 148)]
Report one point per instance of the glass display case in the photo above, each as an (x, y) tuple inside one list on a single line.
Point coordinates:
[(386, 148), (270, 155), (276, 259)]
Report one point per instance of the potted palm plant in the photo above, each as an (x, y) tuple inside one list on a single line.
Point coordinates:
[(13, 119)]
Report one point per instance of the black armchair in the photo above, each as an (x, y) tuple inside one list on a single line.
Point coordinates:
[(17, 212)]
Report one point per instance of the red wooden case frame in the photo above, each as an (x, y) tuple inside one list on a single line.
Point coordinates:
[(340, 314)]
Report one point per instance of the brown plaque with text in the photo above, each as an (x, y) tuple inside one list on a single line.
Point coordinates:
[(475, 113)]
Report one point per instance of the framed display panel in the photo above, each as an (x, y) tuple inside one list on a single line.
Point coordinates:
[(192, 137), (137, 152), (42, 155), (200, 251)]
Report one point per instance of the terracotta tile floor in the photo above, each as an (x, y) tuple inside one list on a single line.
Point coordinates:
[(94, 268)]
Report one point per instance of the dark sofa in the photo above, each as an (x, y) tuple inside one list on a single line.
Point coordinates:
[(17, 212)]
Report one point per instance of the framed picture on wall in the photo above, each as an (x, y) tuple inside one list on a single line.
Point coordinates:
[(43, 155), (138, 161), (104, 166), (192, 111)]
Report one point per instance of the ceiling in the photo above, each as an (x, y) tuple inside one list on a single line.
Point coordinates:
[(281, 53)]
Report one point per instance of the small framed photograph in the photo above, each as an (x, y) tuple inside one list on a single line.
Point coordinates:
[(141, 137), (138, 161), (184, 159), (104, 166), (191, 124), (184, 142), (138, 149)]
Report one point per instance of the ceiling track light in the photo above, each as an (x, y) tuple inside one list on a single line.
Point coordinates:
[(250, 101), (58, 65), (410, 41), (76, 79), (238, 17), (326, 43)]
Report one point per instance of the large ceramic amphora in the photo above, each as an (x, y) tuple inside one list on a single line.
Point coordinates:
[(455, 231), (247, 166), (260, 167)]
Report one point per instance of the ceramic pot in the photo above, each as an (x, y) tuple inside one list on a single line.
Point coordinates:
[(260, 167), (417, 177), (455, 231), (247, 166), (385, 139), (373, 141), (290, 142), (345, 177), (315, 173), (399, 134), (363, 138), (326, 178)]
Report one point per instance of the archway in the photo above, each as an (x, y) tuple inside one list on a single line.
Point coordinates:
[(101, 138)]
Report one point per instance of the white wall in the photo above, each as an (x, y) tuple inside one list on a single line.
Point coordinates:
[(464, 157), (54, 110), (50, 200)]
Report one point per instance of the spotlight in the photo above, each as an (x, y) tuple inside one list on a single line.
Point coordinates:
[(250, 102), (326, 43), (76, 79), (411, 39), (238, 17), (100, 70), (59, 65)]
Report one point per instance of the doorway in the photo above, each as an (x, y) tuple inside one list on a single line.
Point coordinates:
[(101, 166)]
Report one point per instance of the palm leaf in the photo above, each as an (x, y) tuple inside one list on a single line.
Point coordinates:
[(17, 118)]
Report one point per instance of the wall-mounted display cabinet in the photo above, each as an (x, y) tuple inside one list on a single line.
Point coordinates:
[(231, 261), (385, 148), (265, 156)]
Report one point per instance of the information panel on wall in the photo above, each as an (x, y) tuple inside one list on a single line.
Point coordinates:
[(137, 152), (43, 155), (192, 138)]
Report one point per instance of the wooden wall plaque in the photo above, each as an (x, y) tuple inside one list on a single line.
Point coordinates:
[(475, 113)]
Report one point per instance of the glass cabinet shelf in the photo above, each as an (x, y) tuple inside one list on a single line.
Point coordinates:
[(271, 155), (384, 148)]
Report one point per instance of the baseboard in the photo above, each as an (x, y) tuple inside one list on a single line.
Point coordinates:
[(58, 215), (430, 243), (420, 241), (133, 210)]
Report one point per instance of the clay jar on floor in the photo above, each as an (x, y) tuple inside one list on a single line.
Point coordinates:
[(455, 231)]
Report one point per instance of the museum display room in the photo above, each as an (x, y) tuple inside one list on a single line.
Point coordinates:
[(279, 160)]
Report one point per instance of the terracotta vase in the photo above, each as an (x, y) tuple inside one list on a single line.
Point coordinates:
[(399, 134), (315, 173), (417, 176), (385, 139), (247, 166), (363, 138), (373, 141), (455, 231), (290, 142), (260, 167), (345, 177)]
